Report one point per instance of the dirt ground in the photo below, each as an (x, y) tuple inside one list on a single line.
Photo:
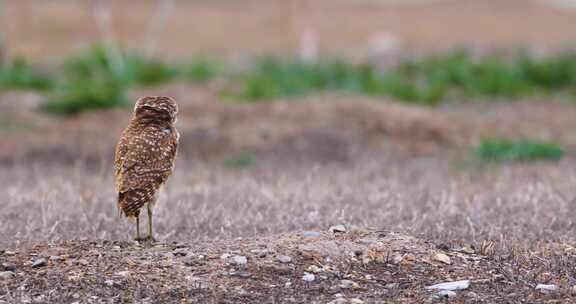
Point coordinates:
[(315, 163), (266, 181), (53, 29), (357, 266)]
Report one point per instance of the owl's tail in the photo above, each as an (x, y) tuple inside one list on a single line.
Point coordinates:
[(131, 201)]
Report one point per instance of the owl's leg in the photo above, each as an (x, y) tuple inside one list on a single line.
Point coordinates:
[(138, 238), (150, 237)]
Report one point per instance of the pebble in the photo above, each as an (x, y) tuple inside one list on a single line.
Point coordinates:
[(5, 275), (391, 286), (311, 234), (314, 269), (180, 252), (356, 301), (546, 288), (83, 262), (39, 263), (284, 259), (55, 258), (446, 294), (338, 228), (8, 252), (9, 267), (261, 253), (123, 273), (308, 277), (238, 260), (347, 284), (190, 261), (441, 257), (109, 283), (456, 285), (240, 274)]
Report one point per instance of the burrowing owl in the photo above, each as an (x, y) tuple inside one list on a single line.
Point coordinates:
[(145, 156)]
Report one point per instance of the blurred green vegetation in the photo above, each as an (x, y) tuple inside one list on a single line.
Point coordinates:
[(90, 81), (7, 125), (498, 150), (18, 74), (240, 160)]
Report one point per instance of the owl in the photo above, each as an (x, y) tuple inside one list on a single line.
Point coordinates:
[(144, 157)]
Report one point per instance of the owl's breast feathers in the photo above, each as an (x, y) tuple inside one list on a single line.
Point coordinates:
[(143, 162)]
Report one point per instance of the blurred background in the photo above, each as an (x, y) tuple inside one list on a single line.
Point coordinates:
[(442, 118)]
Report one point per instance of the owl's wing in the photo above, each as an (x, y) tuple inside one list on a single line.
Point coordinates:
[(147, 160)]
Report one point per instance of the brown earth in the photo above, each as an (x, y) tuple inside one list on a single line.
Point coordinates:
[(360, 266), (327, 160), (54, 29)]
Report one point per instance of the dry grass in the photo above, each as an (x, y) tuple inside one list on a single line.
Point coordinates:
[(314, 164), (525, 205)]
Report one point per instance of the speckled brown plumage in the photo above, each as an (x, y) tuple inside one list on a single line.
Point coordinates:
[(145, 156)]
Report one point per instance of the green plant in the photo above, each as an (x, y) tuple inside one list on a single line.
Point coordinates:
[(202, 70), (520, 150), (240, 160), (133, 70), (18, 74), (83, 96), (7, 125)]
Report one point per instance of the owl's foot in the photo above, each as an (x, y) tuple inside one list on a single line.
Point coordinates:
[(148, 239)]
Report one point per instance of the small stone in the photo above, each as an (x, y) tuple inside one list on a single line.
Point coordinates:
[(240, 274), (83, 262), (314, 269), (55, 258), (467, 249), (456, 285), (348, 284), (308, 277), (9, 267), (311, 234), (356, 301), (544, 288), (5, 275), (8, 252), (446, 294), (338, 295), (261, 253), (441, 257), (190, 261), (39, 263), (338, 301), (391, 286), (284, 259), (109, 283), (471, 294), (180, 252), (338, 229), (288, 284), (123, 273), (238, 260)]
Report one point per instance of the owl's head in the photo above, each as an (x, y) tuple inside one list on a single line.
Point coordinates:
[(157, 107)]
